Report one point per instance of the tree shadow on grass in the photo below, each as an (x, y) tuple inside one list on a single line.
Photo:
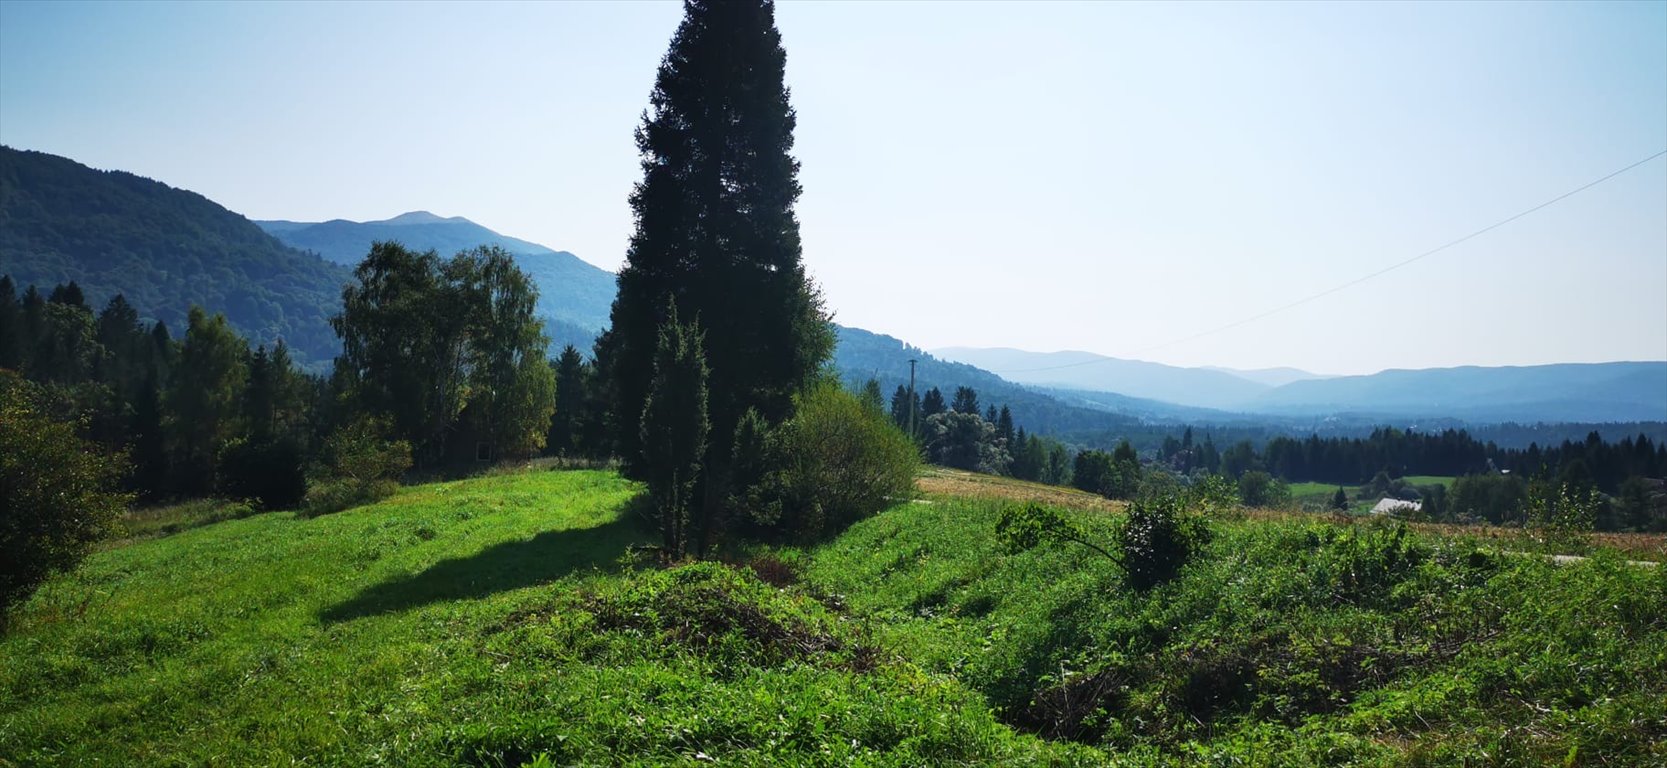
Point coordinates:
[(512, 565)]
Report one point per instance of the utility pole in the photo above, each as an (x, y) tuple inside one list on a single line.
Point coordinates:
[(912, 398)]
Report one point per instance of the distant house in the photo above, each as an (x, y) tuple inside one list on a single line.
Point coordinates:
[(1396, 506)]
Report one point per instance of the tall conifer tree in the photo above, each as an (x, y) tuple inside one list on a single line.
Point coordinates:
[(716, 232)]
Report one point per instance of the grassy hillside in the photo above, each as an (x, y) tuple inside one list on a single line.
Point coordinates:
[(465, 623), (488, 621)]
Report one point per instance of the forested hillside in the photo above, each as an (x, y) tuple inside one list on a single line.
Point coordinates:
[(164, 248), (862, 355), (574, 295)]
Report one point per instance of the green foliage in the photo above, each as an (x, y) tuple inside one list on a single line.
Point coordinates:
[(1340, 500), (446, 347), (964, 441), (1286, 643), (835, 462), (204, 399), (574, 382), (481, 622), (674, 429), (1112, 475), (1215, 496), (1498, 499), (1023, 527), (511, 388), (872, 397), (1157, 538), (57, 494), (1259, 489), (715, 231), (358, 465)]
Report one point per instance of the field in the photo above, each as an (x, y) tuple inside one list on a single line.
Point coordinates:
[(503, 620)]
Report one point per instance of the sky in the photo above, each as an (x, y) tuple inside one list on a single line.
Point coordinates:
[(1121, 178)]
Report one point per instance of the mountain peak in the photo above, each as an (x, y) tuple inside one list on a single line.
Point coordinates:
[(417, 217)]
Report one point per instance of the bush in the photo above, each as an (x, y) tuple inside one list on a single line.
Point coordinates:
[(57, 493), (834, 463), (1157, 538), (267, 472), (358, 466), (1259, 489)]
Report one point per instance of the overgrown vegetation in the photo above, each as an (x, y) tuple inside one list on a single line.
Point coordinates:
[(1292, 643), (57, 494)]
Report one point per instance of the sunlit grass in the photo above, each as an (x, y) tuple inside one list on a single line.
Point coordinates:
[(493, 620)]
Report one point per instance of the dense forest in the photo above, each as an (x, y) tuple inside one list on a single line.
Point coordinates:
[(164, 249)]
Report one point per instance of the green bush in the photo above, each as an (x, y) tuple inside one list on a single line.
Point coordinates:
[(1157, 538), (834, 463), (1260, 489), (57, 493), (358, 466)]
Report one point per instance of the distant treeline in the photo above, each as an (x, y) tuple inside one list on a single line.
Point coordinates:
[(1352, 461)]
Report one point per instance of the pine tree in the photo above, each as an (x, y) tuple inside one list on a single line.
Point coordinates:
[(572, 388), (716, 232), (900, 407), (966, 401), (674, 428), (872, 398), (1004, 426), (1340, 499), (932, 403)]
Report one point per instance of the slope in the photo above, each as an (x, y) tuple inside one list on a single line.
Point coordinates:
[(491, 621), (165, 248), (480, 622)]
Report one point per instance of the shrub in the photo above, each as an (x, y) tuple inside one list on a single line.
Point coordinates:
[(267, 472), (834, 463), (1215, 496), (1259, 489), (57, 493), (1365, 566), (358, 466), (1156, 538)]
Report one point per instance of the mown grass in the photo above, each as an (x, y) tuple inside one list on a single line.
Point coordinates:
[(498, 619)]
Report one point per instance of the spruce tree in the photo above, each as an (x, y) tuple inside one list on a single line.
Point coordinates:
[(674, 428), (572, 373), (716, 233), (932, 403)]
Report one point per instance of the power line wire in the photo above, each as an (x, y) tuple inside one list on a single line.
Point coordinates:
[(1354, 282)]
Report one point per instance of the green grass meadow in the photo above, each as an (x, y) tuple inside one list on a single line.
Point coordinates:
[(502, 621)]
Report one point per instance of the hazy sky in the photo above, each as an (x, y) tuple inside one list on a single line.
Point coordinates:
[(1110, 177)]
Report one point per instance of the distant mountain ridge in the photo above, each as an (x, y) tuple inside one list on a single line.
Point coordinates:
[(576, 294), (1583, 392), (1087, 371), (1568, 392)]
